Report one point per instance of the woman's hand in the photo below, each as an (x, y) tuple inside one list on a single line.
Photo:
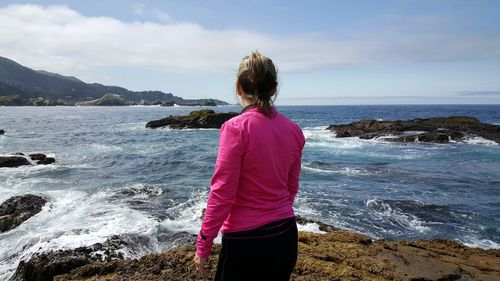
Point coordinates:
[(201, 264)]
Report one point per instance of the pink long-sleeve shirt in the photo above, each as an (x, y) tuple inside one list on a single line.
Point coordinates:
[(256, 175)]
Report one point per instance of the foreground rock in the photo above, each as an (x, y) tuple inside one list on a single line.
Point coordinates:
[(18, 209), (433, 130), (336, 255), (196, 119), (44, 266), (19, 159)]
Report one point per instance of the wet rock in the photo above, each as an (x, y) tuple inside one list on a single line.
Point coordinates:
[(336, 255), (44, 266), (2, 132), (322, 226), (13, 161), (18, 159), (42, 159), (46, 161), (432, 130), (37, 156), (18, 209), (196, 119)]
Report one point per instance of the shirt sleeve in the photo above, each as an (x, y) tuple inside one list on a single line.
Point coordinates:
[(223, 187), (294, 173)]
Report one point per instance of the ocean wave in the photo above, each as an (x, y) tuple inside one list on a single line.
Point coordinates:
[(101, 147), (480, 140), (69, 220), (475, 242), (310, 227), (143, 191), (188, 214), (312, 167), (384, 210)]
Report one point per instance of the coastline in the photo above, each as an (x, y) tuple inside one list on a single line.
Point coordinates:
[(146, 186), (334, 255)]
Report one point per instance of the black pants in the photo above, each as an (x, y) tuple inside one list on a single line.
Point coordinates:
[(265, 253)]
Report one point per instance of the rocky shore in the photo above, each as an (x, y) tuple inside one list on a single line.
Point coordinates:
[(334, 255), (20, 159), (431, 130), (196, 119)]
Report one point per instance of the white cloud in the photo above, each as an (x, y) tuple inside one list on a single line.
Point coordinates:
[(59, 39)]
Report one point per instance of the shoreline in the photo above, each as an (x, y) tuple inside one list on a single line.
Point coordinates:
[(334, 255)]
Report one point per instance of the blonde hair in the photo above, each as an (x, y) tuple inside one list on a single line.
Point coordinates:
[(258, 79)]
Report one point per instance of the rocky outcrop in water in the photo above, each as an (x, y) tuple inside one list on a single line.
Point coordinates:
[(2, 132), (18, 209), (19, 159), (433, 130), (106, 100), (13, 161), (196, 119), (336, 255)]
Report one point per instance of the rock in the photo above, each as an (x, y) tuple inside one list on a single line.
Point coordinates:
[(168, 103), (106, 100), (18, 159), (37, 156), (18, 209), (13, 161), (2, 132), (46, 161), (10, 100), (208, 103), (322, 226), (336, 255), (44, 266), (196, 119), (433, 130)]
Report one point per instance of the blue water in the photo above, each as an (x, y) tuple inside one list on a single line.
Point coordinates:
[(114, 176)]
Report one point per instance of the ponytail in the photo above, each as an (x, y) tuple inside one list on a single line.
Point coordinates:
[(257, 77)]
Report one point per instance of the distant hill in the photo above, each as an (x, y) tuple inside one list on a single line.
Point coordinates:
[(23, 84)]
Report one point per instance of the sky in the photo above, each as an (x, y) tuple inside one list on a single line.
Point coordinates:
[(327, 52)]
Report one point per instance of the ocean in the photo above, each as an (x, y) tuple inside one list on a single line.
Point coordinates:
[(114, 176)]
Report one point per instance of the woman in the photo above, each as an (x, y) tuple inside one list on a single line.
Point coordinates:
[(254, 185)]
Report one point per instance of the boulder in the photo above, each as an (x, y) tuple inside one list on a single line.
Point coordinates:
[(46, 161), (13, 161), (44, 266), (2, 132), (432, 130), (322, 226), (19, 159), (196, 119), (37, 156), (18, 209)]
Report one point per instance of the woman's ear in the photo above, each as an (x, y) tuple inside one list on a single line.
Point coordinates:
[(239, 92)]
